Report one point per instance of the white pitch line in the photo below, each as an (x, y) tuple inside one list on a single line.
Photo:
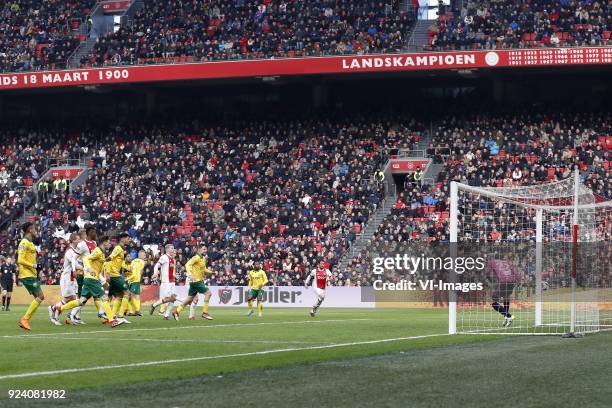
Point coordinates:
[(138, 339), (202, 358), (208, 326)]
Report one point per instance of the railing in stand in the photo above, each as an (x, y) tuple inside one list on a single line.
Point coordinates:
[(404, 153), (62, 161), (427, 181), (387, 201)]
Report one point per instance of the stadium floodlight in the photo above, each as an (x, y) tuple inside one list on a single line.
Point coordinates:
[(553, 239)]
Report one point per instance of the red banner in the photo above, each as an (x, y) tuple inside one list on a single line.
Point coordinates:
[(408, 165), (433, 61), (67, 173), (116, 6)]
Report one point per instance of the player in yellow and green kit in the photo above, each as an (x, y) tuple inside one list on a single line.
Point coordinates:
[(117, 286), (126, 270), (93, 266), (257, 280), (133, 278), (196, 271), (26, 263)]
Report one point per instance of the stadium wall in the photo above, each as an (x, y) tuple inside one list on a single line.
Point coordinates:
[(292, 296), (231, 296)]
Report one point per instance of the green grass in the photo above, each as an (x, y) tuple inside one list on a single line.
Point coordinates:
[(341, 358)]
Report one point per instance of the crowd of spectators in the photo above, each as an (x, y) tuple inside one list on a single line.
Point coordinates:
[(525, 149), (178, 31), (492, 151), (24, 157), (39, 34), (291, 192), (502, 24), (286, 193)]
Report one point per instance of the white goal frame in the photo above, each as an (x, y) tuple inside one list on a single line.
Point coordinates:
[(496, 194)]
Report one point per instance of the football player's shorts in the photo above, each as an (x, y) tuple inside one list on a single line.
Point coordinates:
[(197, 287), (7, 284), (32, 285), (166, 290), (319, 292), (256, 293), (117, 286), (92, 288), (504, 289), (135, 288), (68, 286)]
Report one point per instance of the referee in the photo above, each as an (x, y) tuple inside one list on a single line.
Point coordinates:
[(8, 273)]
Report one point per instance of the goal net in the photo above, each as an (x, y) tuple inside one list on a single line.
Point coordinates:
[(546, 255)]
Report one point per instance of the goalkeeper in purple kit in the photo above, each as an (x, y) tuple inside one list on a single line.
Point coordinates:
[(506, 277)]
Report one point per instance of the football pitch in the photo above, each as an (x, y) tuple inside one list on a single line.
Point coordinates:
[(341, 358)]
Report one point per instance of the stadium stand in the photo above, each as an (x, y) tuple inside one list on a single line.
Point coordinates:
[(304, 188), (172, 31), (39, 34), (493, 151), (20, 168), (24, 157), (287, 192), (524, 24)]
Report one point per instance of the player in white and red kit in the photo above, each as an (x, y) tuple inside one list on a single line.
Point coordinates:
[(164, 269), (320, 275), (68, 284)]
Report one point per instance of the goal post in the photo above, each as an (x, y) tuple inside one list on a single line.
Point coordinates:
[(454, 219), (538, 268), (553, 238)]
